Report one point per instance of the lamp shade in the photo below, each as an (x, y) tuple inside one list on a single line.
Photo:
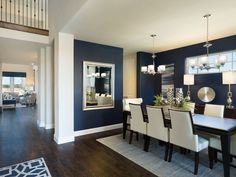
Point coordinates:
[(188, 79), (161, 68), (204, 60), (229, 77), (144, 68)]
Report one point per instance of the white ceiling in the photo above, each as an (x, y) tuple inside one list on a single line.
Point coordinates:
[(18, 51), (129, 23)]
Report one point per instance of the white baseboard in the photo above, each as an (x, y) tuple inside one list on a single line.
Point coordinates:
[(96, 130), (40, 124), (62, 140), (49, 126)]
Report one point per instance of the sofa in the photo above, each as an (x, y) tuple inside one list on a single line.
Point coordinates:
[(9, 98), (28, 99)]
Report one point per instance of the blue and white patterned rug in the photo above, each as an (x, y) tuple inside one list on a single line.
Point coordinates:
[(32, 168)]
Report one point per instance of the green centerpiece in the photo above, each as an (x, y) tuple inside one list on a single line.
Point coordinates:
[(183, 104)]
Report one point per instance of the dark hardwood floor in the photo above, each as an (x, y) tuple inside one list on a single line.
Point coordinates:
[(22, 140)]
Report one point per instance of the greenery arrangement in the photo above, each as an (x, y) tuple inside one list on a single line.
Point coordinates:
[(183, 104), (159, 101)]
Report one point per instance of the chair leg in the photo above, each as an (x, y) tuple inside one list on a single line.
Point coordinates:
[(161, 143), (146, 143), (183, 150), (137, 136), (211, 157), (215, 155), (131, 136), (196, 163), (124, 133), (167, 151), (171, 151)]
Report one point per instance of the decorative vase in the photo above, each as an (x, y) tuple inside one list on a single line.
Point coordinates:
[(170, 95), (179, 95)]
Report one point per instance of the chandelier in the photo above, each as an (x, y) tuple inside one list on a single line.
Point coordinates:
[(203, 62), (97, 74), (150, 69)]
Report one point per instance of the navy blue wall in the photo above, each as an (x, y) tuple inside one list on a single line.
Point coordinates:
[(146, 84), (178, 56), (86, 51)]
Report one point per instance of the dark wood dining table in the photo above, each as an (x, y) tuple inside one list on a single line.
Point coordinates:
[(223, 127)]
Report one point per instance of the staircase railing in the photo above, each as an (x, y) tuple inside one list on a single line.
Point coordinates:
[(28, 13)]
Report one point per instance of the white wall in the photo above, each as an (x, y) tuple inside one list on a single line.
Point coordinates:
[(45, 110), (64, 88), (21, 68), (24, 36), (57, 19), (42, 88), (49, 123), (0, 83), (130, 76)]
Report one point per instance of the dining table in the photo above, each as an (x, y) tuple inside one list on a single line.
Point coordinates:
[(222, 127)]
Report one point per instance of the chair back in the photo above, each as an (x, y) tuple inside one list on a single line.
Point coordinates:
[(233, 145), (214, 110), (191, 107), (127, 101), (181, 132), (156, 126), (137, 121)]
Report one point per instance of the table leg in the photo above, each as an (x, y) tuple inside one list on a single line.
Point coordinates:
[(225, 144), (124, 124)]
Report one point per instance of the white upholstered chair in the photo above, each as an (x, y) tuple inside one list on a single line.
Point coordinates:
[(214, 110), (156, 127), (182, 134), (126, 110), (215, 146), (191, 107), (127, 101), (137, 122)]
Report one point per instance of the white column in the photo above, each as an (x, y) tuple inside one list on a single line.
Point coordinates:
[(0, 84), (36, 81), (42, 105), (64, 88), (49, 89)]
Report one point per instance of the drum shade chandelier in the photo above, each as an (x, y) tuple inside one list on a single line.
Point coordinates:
[(203, 62), (150, 69)]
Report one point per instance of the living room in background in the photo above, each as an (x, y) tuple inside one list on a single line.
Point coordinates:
[(13, 84), (15, 90)]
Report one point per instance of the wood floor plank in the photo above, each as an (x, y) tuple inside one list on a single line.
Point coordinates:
[(22, 140)]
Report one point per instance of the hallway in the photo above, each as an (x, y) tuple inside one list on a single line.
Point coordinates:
[(22, 140)]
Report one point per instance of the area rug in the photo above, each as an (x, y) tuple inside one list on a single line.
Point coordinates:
[(32, 168), (180, 166)]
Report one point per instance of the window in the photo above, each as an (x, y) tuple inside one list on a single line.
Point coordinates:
[(229, 65), (6, 84), (13, 84), (19, 85)]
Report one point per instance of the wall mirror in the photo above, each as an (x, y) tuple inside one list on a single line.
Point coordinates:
[(98, 85)]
